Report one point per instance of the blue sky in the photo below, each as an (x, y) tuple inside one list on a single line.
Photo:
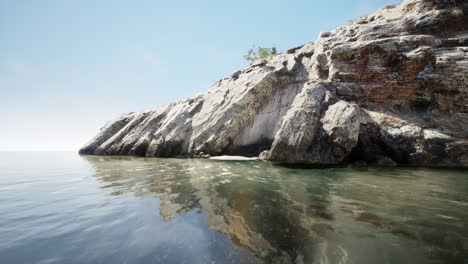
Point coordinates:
[(68, 66)]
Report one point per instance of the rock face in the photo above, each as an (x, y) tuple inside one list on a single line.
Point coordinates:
[(389, 87)]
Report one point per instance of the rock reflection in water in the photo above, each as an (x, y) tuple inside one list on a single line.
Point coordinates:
[(294, 215)]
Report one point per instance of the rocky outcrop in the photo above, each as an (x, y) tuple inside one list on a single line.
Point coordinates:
[(389, 87)]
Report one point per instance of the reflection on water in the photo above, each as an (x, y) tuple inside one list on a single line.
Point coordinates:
[(294, 215), (89, 209)]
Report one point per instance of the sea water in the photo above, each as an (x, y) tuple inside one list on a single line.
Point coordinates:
[(59, 207)]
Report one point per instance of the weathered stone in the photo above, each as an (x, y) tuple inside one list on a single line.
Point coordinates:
[(393, 84), (385, 161), (299, 126), (341, 125)]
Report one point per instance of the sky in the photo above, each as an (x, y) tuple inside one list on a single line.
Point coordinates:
[(69, 66)]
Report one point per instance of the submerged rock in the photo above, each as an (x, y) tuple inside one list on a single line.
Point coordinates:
[(393, 84)]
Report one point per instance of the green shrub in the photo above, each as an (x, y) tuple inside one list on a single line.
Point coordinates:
[(260, 53)]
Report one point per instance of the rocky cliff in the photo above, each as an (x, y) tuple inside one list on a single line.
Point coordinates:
[(388, 88)]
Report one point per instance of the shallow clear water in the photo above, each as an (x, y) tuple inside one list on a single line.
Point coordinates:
[(58, 207)]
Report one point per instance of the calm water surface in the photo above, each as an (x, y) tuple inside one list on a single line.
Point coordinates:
[(58, 207)]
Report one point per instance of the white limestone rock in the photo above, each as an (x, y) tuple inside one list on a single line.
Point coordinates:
[(392, 84)]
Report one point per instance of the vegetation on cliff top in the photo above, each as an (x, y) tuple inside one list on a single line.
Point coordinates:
[(260, 53)]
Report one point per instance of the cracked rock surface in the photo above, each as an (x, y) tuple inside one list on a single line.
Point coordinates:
[(392, 86)]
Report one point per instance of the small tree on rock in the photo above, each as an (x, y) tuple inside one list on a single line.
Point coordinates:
[(260, 53)]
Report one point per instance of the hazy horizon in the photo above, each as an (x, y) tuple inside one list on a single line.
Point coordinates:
[(68, 67)]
